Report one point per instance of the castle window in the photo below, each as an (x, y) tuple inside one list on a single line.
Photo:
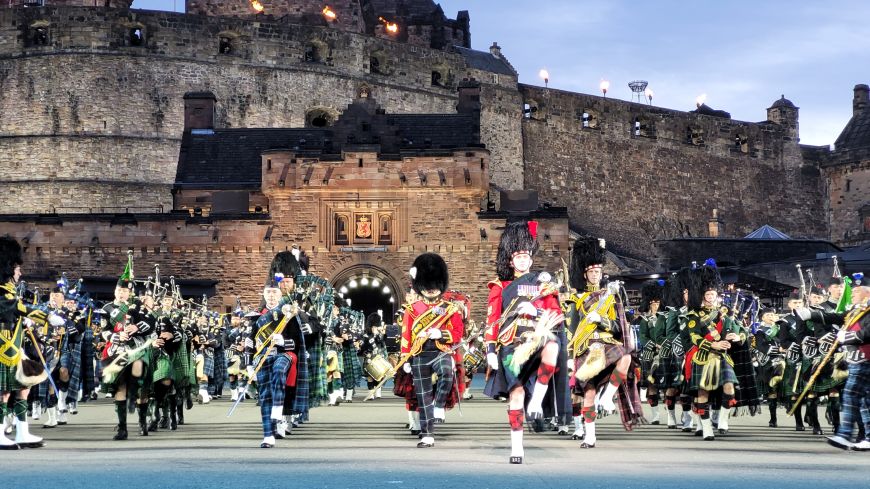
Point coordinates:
[(319, 118), (589, 119), (378, 63), (226, 45), (316, 52), (741, 143), (695, 136), (341, 229), (643, 127), (40, 36), (385, 230), (137, 37), (436, 79)]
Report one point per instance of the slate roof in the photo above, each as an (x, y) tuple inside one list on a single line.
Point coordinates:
[(767, 232), (705, 109), (485, 61), (231, 158), (783, 102), (856, 134)]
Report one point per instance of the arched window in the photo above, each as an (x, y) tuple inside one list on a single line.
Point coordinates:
[(378, 63), (385, 230), (319, 117), (341, 229), (694, 135), (136, 36)]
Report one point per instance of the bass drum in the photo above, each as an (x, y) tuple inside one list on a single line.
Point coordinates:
[(377, 367), (393, 338)]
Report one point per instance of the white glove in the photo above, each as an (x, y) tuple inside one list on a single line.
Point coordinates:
[(56, 320), (28, 322), (803, 313), (527, 309), (285, 309), (306, 329), (250, 371), (249, 343), (570, 364), (593, 317), (277, 340), (406, 367), (841, 335), (492, 361), (435, 334)]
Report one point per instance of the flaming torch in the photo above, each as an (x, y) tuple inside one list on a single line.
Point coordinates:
[(699, 101), (604, 85), (545, 75), (391, 27), (257, 6), (328, 14), (649, 94)]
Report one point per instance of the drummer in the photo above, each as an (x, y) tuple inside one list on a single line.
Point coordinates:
[(374, 351)]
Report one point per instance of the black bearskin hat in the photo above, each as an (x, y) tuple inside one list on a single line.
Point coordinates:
[(517, 236), (703, 278), (10, 257), (651, 291), (429, 272), (794, 295), (817, 290), (373, 320), (588, 251), (679, 282), (285, 263)]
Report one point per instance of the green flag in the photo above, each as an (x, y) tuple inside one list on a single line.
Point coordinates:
[(128, 270), (846, 298)]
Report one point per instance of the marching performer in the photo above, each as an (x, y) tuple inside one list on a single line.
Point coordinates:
[(126, 355), (711, 333), (655, 356), (18, 368), (523, 312), (599, 340), (373, 350), (430, 328), (855, 336), (771, 338)]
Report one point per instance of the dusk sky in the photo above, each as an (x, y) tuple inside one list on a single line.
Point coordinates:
[(742, 54)]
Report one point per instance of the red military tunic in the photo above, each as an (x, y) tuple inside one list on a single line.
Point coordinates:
[(451, 330)]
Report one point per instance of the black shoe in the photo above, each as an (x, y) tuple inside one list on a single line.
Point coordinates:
[(94, 396), (266, 445), (516, 460), (772, 424), (699, 433), (577, 437), (13, 446), (723, 432), (817, 430), (189, 401), (800, 428), (655, 422), (415, 432), (152, 426), (587, 445), (164, 423), (121, 434), (425, 445), (143, 429), (173, 423)]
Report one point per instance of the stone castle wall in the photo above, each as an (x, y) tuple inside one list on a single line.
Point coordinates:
[(665, 181), (123, 104)]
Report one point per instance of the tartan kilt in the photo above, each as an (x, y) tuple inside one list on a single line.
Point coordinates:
[(208, 365), (162, 366), (612, 354), (301, 402), (763, 375), (502, 381), (726, 375), (183, 369), (665, 374), (825, 381), (789, 388), (316, 376), (353, 372), (143, 356), (220, 367), (7, 379)]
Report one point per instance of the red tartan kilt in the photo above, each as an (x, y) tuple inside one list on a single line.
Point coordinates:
[(403, 386)]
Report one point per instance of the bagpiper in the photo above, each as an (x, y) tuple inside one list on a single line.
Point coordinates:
[(523, 313)]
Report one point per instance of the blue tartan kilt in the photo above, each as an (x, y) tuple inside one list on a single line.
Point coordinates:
[(220, 366), (665, 375), (208, 366)]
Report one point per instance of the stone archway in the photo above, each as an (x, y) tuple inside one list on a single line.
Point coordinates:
[(370, 288)]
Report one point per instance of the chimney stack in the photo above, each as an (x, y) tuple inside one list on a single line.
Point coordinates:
[(861, 100), (199, 110)]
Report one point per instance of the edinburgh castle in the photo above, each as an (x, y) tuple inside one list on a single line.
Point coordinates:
[(366, 132)]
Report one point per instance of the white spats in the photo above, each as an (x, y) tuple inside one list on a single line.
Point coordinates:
[(23, 437), (672, 418), (438, 413), (51, 415), (517, 443), (534, 409), (590, 438), (277, 413), (578, 428), (606, 400), (707, 429)]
